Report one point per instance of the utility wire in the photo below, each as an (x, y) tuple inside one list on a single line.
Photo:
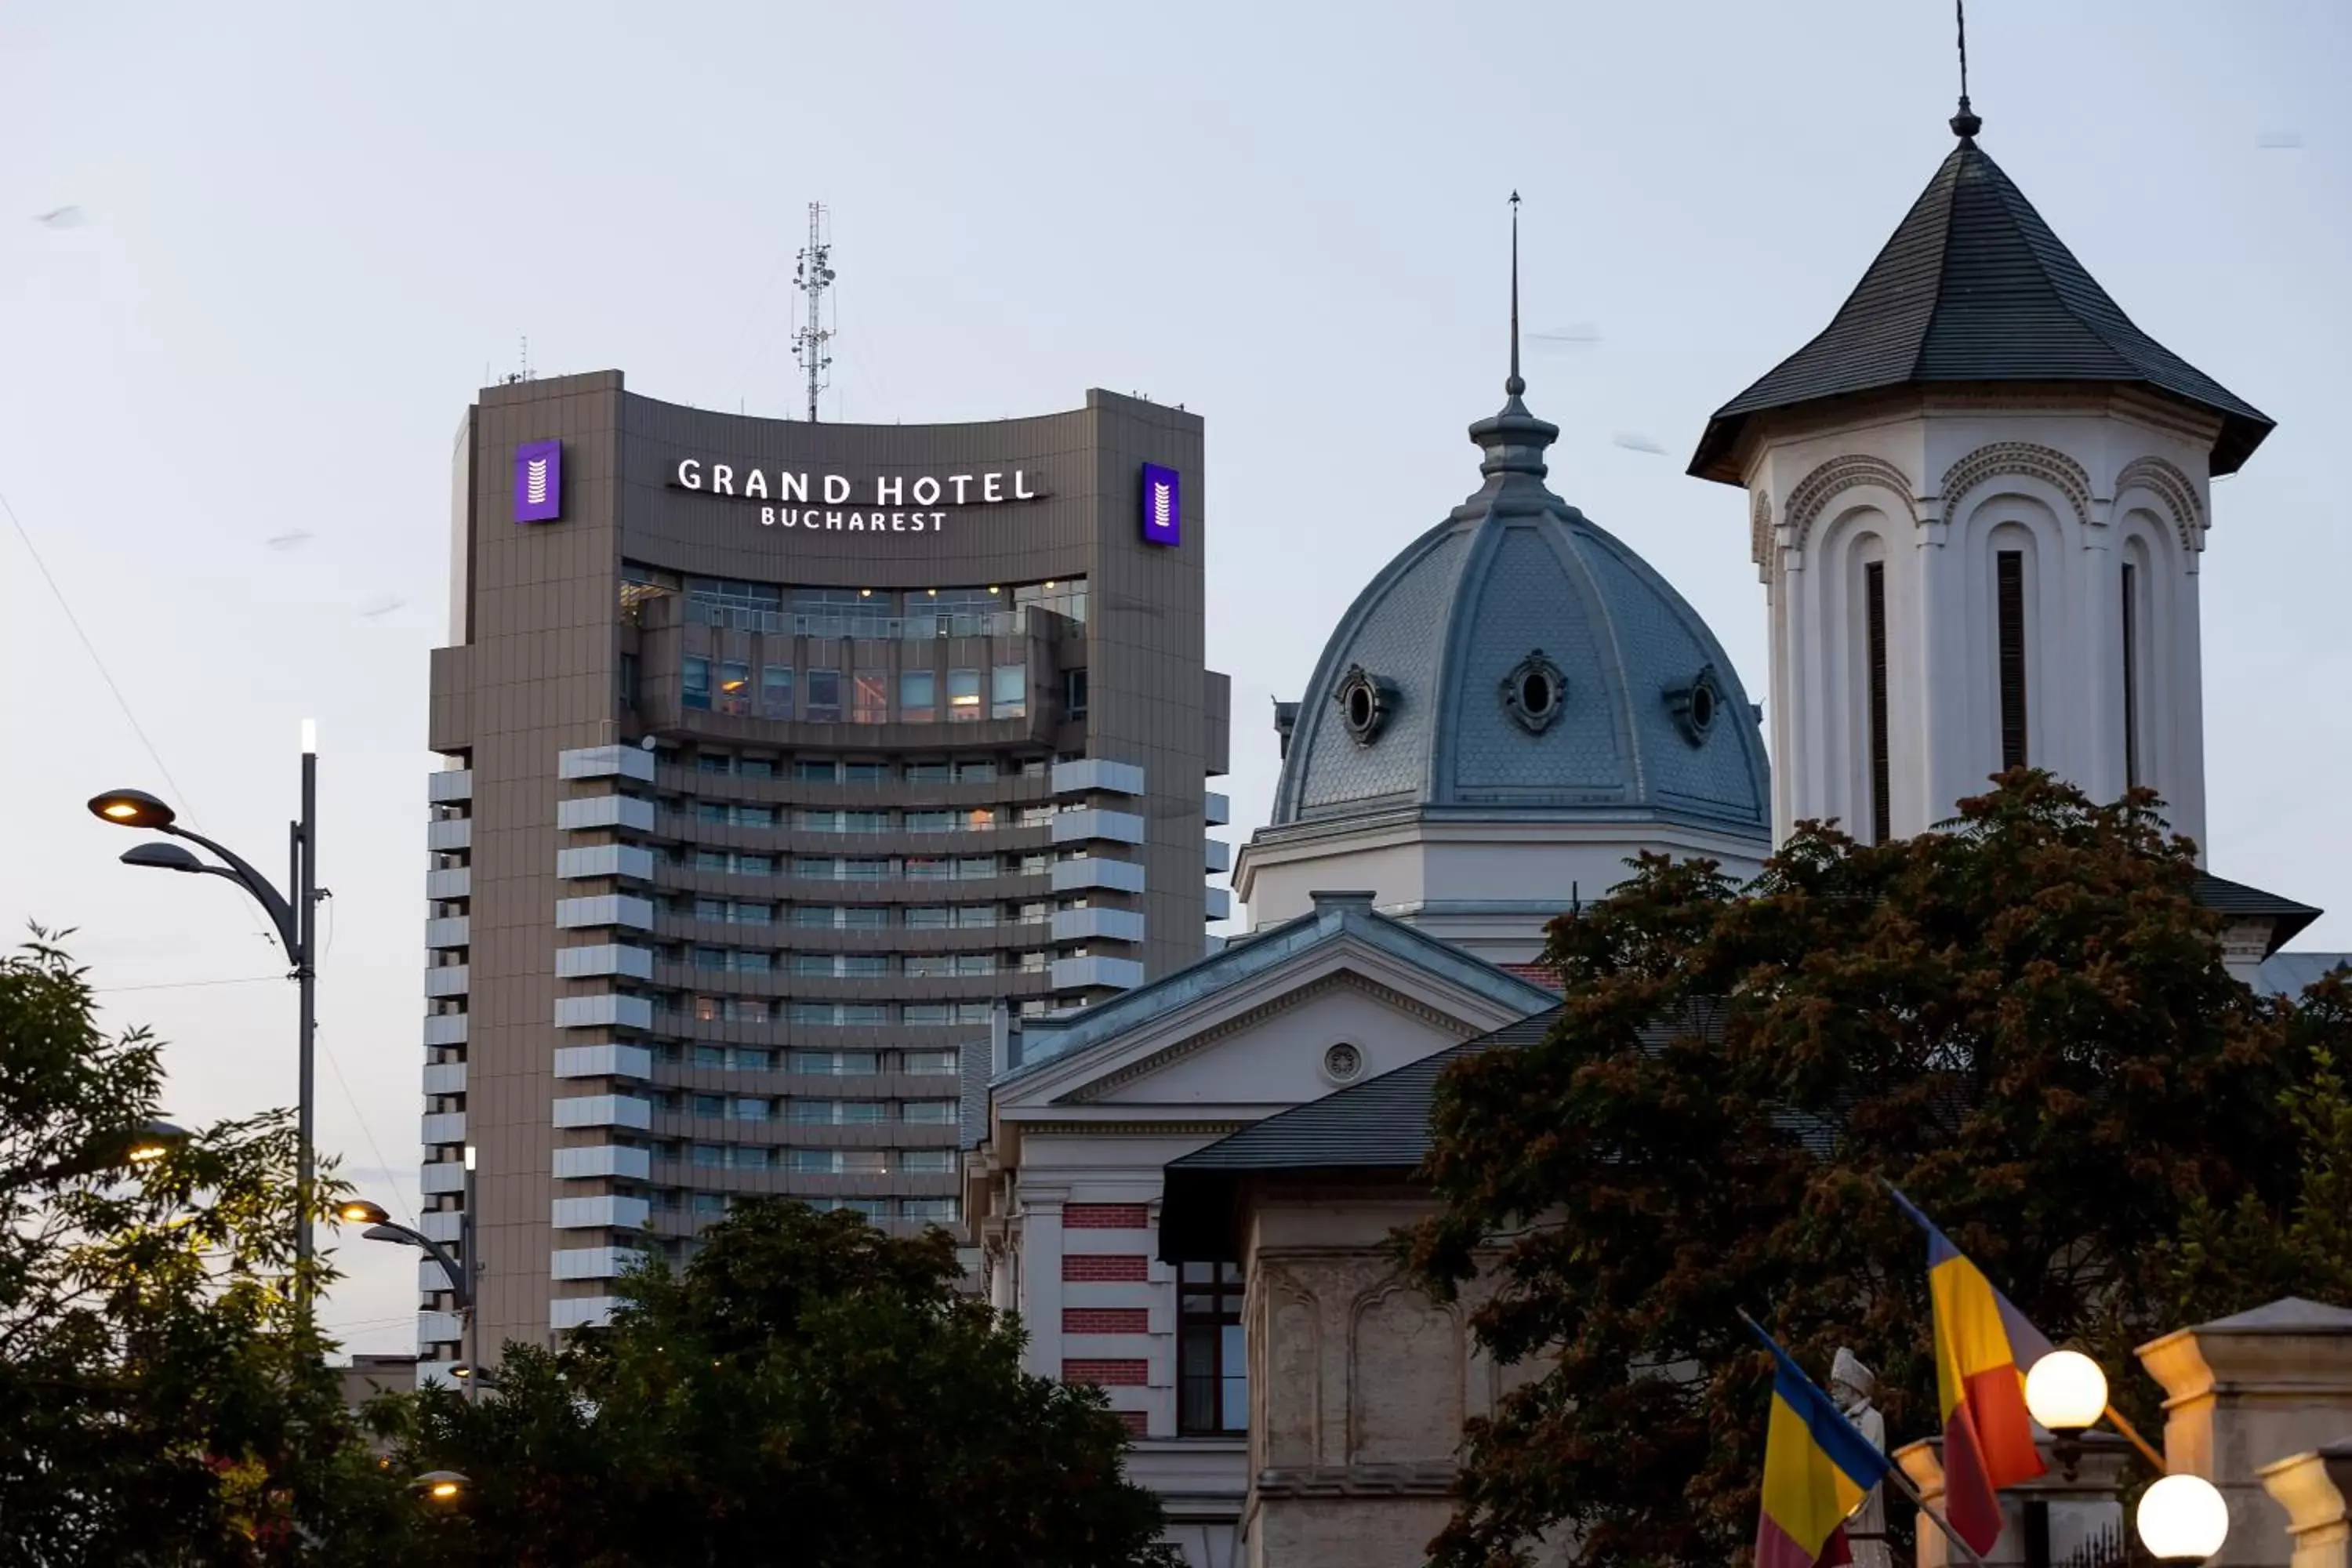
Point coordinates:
[(183, 985)]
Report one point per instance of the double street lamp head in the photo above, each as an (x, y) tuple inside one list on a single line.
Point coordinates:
[(131, 808)]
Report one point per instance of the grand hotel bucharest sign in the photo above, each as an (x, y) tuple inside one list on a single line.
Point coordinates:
[(791, 498)]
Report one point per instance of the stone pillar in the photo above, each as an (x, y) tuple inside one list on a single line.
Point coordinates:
[(1041, 1281), (2245, 1391), (2066, 1508), (2312, 1486)]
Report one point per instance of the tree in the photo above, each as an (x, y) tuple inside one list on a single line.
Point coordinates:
[(2023, 1021), (166, 1401), (806, 1386)]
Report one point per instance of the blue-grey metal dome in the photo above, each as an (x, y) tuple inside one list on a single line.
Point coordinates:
[(1518, 659)]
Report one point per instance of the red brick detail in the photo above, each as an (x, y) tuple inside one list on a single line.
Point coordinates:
[(1106, 1373), (1133, 1420), (1105, 1216), (1105, 1319), (1106, 1267), (1542, 975)]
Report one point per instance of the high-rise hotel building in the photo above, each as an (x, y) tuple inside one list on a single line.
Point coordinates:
[(778, 755)]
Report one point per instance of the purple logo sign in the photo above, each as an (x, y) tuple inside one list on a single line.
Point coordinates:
[(1163, 506), (539, 481)]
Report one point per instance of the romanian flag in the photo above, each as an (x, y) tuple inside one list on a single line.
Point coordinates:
[(1984, 1347), (1817, 1470)]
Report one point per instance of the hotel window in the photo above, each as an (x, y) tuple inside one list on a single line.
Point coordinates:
[(776, 691), (711, 1202), (748, 1110), (824, 697), (712, 762), (750, 1061), (866, 773), (930, 772), (930, 965), (697, 679), (930, 917), (1212, 1371), (755, 865), (930, 1064), (1074, 693), (865, 870), (863, 1112), (926, 1161), (928, 869), (755, 816), (816, 868), (929, 1112), (629, 680), (864, 1163), (709, 1156), (751, 1156), (2008, 597), (711, 1105), (757, 767), (871, 697), (975, 917), (980, 770), (919, 1013), (975, 868), (811, 1161), (813, 1112), (734, 687), (1009, 691), (865, 1012), (816, 770), (933, 1211), (919, 694), (710, 1055), (963, 694)]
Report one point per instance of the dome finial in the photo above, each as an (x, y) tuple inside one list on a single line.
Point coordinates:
[(1965, 124), (1514, 385)]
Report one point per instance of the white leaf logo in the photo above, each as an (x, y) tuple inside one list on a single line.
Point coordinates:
[(534, 481), (1162, 499)]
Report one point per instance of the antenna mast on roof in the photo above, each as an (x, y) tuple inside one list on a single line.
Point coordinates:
[(813, 277)]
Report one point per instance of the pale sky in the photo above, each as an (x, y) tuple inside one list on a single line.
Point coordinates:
[(308, 230)]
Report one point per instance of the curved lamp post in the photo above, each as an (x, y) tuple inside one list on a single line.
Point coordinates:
[(382, 1226), (295, 914)]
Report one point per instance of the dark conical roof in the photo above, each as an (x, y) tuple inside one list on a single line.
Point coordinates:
[(1974, 287)]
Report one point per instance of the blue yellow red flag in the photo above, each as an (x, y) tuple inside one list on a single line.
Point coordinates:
[(1818, 1468), (1984, 1348)]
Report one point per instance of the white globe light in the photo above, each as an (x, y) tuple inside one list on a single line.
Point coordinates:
[(2182, 1518), (2066, 1392)]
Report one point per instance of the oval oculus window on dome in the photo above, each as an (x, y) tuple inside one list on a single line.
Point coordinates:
[(1696, 706), (1535, 692), (1365, 701)]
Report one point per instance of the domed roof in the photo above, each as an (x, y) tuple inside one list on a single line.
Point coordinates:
[(1518, 659)]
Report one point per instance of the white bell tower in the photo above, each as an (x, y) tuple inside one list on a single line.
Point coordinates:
[(1978, 502)]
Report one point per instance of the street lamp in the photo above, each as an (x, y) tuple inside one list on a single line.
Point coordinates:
[(441, 1486), (140, 1146), (382, 1226), (294, 912), (2067, 1392), (2183, 1519)]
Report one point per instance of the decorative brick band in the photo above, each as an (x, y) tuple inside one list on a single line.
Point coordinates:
[(1106, 1267), (1105, 1319), (1105, 1216), (1107, 1373), (1134, 1421)]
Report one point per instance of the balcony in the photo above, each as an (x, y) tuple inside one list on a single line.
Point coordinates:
[(439, 1176), (1090, 775), (1217, 903), (449, 785), (442, 1126), (606, 1213), (1216, 855), (445, 1077), (598, 1160), (609, 1009), (628, 860), (604, 763), (1095, 871), (606, 811), (444, 1225), (1077, 925), (607, 958), (447, 979), (1216, 808), (448, 931), (446, 1029), (605, 1110), (593, 1262), (451, 883), (606, 910), (1093, 822), (449, 835), (439, 1329), (604, 1061), (581, 1312), (1095, 972)]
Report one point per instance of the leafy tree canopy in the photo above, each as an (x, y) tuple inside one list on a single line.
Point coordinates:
[(166, 1399), (807, 1389), (2023, 1021)]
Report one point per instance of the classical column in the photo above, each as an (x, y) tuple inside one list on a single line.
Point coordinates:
[(2246, 1391), (1041, 1280)]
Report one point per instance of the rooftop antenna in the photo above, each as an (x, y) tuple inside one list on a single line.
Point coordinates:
[(1515, 386), (1965, 124), (812, 277), (526, 356)]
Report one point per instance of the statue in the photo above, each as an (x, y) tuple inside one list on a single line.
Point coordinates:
[(1852, 1384)]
